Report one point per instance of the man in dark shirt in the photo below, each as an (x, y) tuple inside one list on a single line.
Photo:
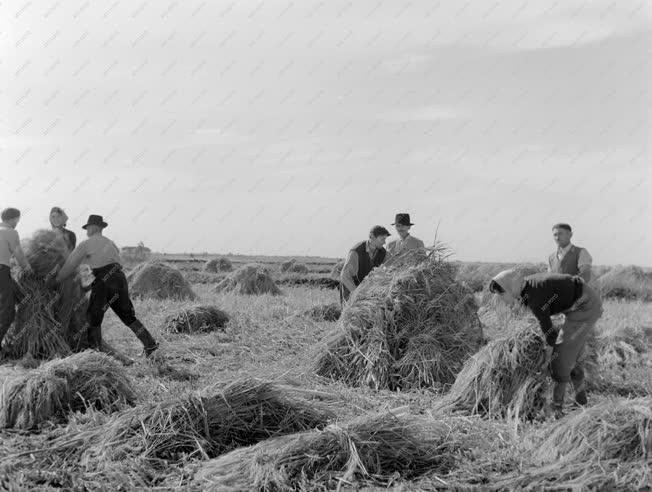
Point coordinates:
[(363, 257), (546, 294)]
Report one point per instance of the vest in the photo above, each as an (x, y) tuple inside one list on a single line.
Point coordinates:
[(568, 264), (366, 264)]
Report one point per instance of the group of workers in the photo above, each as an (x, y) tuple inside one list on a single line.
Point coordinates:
[(563, 289), (108, 290)]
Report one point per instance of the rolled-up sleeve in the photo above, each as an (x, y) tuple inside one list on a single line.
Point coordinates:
[(350, 269), (584, 258)]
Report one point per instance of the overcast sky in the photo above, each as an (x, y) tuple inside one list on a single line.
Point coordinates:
[(292, 127)]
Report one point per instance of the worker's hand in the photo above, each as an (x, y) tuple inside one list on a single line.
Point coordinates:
[(51, 281), (551, 337)]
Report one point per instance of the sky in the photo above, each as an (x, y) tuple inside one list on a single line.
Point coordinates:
[(291, 128)]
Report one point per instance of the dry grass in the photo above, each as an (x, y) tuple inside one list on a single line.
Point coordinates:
[(61, 386), (324, 312), (196, 319), (408, 325), (158, 280), (371, 448)]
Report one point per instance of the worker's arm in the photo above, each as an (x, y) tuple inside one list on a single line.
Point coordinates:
[(17, 250), (584, 262), (73, 239), (349, 270), (549, 263), (541, 310), (72, 262)]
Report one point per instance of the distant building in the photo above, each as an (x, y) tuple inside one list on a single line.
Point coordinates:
[(136, 253)]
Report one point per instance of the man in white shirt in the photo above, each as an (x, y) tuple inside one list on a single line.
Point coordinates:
[(9, 246), (569, 258), (405, 241)]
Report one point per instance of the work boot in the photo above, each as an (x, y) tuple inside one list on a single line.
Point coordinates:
[(94, 335), (577, 378), (145, 337), (558, 394)]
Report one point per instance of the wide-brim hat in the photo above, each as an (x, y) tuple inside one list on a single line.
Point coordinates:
[(95, 220), (402, 219)]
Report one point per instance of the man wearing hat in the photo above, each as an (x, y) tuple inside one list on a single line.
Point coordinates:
[(547, 294), (59, 220), (569, 258), (9, 246), (109, 289), (405, 241), (362, 258)]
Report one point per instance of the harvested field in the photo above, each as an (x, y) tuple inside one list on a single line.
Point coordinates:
[(171, 438)]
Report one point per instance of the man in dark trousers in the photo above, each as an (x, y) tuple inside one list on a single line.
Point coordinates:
[(569, 258), (362, 258), (9, 247), (546, 294), (58, 221), (109, 289)]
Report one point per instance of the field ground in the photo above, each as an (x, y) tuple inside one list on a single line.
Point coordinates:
[(268, 337)]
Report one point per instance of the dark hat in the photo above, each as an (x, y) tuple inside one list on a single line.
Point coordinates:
[(95, 220), (402, 219), (379, 231)]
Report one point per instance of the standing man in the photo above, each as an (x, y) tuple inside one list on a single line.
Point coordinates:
[(569, 258), (546, 294), (363, 257), (59, 220), (109, 289), (405, 241), (9, 246)]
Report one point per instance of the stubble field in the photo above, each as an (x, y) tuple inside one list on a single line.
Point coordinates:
[(271, 338)]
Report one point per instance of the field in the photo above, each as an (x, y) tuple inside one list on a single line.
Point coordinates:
[(271, 338)]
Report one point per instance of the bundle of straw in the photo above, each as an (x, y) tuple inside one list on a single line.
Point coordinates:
[(158, 280), (374, 449), (604, 447), (247, 280), (216, 265), (49, 322), (408, 325), (324, 312), (286, 266), (614, 429), (61, 386), (192, 426), (506, 377), (46, 252), (196, 319)]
